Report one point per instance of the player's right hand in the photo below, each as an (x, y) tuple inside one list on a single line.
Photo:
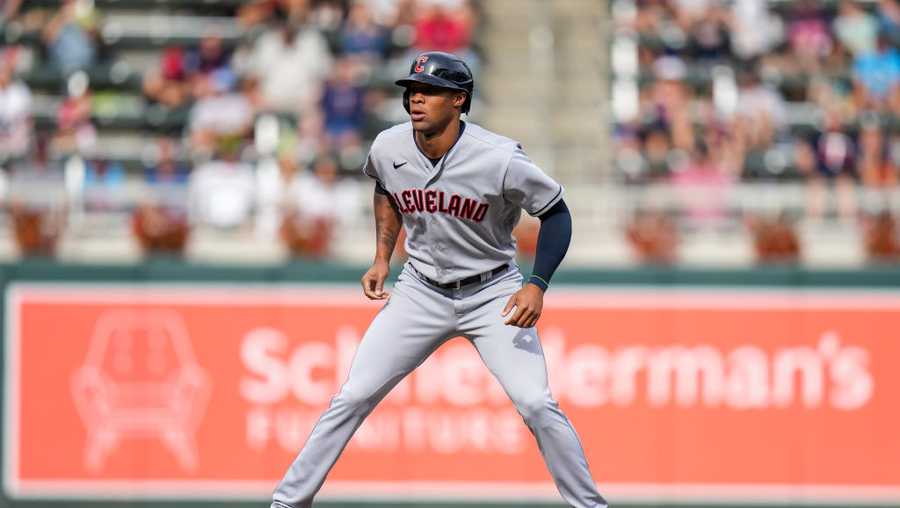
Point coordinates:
[(373, 281)]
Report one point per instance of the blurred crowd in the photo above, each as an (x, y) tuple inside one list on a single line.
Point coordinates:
[(250, 116), (709, 93), (266, 114), (751, 90)]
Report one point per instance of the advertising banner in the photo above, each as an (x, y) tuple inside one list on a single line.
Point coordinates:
[(178, 391)]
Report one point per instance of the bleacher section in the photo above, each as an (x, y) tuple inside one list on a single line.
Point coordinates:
[(103, 121), (692, 125)]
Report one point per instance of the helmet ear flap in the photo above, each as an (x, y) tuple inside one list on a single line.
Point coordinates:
[(406, 100)]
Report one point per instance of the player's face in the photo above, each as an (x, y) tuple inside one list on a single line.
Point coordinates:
[(431, 108)]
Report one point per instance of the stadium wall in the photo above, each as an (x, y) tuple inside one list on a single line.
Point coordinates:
[(772, 386)]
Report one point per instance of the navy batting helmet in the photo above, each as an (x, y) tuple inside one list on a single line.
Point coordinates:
[(440, 69)]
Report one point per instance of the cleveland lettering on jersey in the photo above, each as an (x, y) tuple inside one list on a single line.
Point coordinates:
[(436, 201)]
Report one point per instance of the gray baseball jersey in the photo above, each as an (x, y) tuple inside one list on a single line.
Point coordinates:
[(459, 213)]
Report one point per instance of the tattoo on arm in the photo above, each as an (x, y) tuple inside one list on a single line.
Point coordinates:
[(387, 226)]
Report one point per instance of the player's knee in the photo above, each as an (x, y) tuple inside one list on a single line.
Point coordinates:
[(354, 400), (536, 409)]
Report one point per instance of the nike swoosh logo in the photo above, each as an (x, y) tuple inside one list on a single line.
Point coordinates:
[(397, 166)]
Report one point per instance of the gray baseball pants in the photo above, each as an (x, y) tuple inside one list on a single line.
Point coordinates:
[(417, 319)]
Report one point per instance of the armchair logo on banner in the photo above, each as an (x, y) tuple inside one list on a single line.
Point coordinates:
[(140, 378), (208, 392)]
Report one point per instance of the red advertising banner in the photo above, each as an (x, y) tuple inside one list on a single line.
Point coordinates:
[(209, 391)]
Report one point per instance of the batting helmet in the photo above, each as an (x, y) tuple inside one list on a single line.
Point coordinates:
[(440, 69)]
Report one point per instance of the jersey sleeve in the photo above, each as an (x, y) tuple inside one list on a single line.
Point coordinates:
[(526, 185), (368, 168)]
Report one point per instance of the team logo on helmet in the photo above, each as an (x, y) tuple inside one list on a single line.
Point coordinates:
[(420, 62)]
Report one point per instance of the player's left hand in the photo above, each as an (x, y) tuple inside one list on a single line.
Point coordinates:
[(528, 302)]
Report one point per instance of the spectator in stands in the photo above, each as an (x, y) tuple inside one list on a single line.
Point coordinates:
[(322, 193), (210, 56), (754, 31), (835, 95), (37, 202), (104, 183), (400, 14), (835, 150), (760, 120), (361, 37), (893, 152), (690, 11), (165, 168), (221, 192), (343, 106), (657, 146), (809, 35), (666, 102), (73, 37), (388, 14), (889, 20), (9, 10), (221, 115), (160, 221), (876, 75), (169, 84), (303, 60), (441, 26), (702, 181), (651, 16), (75, 130), (15, 113), (856, 29), (276, 190), (304, 234), (761, 111), (709, 35), (328, 16), (257, 12), (183, 73), (876, 167), (829, 160), (323, 203), (629, 158)]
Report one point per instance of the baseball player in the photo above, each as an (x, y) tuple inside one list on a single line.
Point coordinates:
[(458, 190)]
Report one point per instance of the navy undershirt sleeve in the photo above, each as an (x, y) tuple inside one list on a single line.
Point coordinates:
[(380, 189), (553, 243)]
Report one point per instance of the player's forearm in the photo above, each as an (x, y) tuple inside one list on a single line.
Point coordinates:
[(387, 227), (553, 243)]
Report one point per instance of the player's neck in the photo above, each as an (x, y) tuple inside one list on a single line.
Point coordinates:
[(435, 144)]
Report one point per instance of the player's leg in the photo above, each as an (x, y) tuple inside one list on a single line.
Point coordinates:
[(515, 357), (403, 334)]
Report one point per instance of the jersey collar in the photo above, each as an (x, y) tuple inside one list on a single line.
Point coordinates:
[(443, 161)]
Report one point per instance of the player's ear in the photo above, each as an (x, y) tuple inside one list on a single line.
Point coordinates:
[(459, 99)]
